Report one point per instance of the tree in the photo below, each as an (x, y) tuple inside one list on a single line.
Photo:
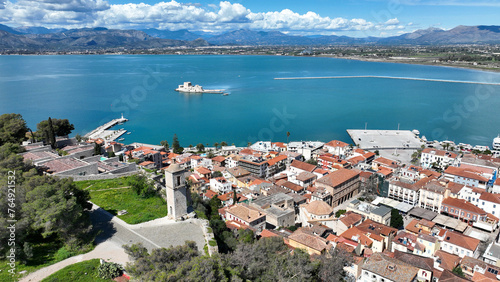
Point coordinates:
[(51, 134), (223, 143), (97, 149), (200, 147), (78, 138), (287, 135), (458, 271), (176, 147), (216, 145), (339, 213), (332, 266), (312, 161), (165, 145), (142, 186), (377, 152), (235, 197), (60, 127), (190, 147), (13, 128), (216, 174), (396, 219)]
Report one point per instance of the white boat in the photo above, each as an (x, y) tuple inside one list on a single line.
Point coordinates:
[(128, 133), (121, 139), (187, 87), (496, 143)]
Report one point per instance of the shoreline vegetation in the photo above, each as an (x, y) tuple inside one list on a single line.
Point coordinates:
[(474, 57)]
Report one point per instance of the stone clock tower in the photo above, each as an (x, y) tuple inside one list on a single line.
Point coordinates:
[(177, 197)]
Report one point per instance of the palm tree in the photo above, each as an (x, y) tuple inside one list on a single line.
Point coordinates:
[(223, 143), (287, 135), (190, 147), (216, 145)]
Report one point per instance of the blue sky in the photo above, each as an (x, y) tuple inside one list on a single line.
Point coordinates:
[(342, 17)]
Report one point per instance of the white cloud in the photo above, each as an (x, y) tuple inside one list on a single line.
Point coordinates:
[(174, 15), (468, 3), (394, 21)]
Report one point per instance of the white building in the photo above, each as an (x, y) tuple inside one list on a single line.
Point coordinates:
[(432, 195), (337, 148), (458, 244), (220, 185), (404, 192), (440, 158), (308, 149), (466, 176)]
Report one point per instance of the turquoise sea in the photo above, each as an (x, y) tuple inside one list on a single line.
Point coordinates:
[(90, 90)]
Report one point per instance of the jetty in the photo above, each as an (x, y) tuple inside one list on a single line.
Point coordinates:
[(385, 139), (104, 133), (390, 77)]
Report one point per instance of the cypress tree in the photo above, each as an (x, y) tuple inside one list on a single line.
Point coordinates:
[(52, 134)]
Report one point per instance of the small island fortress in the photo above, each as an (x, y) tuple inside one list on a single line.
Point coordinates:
[(187, 87)]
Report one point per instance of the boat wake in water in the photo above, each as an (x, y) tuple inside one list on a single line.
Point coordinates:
[(390, 77)]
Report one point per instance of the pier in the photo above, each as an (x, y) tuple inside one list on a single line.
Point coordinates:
[(106, 134), (389, 77), (385, 139)]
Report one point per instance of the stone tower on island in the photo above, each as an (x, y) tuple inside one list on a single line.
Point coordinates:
[(177, 197)]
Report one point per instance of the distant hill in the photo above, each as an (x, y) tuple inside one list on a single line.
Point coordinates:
[(182, 34), (38, 30), (458, 35), (91, 38), (9, 29), (42, 38), (9, 41)]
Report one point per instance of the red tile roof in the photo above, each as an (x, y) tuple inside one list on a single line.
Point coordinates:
[(494, 198), (210, 194), (336, 143), (303, 166), (338, 177), (461, 240), (439, 153), (219, 159), (203, 170), (277, 159), (266, 234), (463, 205), (466, 173)]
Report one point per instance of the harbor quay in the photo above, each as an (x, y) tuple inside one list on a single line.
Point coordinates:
[(385, 139), (104, 133)]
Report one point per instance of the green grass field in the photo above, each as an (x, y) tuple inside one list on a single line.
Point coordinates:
[(45, 253), (85, 271), (139, 209), (93, 185)]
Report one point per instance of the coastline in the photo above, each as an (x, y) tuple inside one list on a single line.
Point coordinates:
[(409, 61)]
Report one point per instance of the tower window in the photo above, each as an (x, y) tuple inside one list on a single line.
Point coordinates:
[(178, 182)]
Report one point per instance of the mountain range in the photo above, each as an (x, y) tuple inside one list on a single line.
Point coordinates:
[(41, 38)]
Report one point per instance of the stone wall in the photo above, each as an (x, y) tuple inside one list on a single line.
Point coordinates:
[(83, 170), (208, 234), (99, 176)]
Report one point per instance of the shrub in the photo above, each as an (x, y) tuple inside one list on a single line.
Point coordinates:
[(62, 254), (109, 270)]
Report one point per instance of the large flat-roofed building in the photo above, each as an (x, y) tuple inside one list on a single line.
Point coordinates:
[(342, 184), (256, 166)]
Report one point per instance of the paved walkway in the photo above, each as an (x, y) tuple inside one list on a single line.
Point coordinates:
[(153, 234)]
